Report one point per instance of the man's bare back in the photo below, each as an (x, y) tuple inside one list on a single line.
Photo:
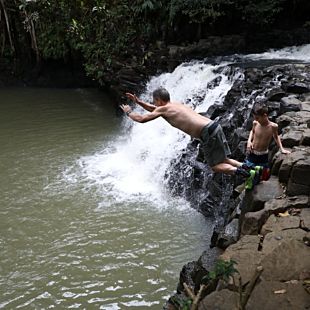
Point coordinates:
[(184, 118)]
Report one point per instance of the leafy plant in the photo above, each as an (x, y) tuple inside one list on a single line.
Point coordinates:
[(223, 270)]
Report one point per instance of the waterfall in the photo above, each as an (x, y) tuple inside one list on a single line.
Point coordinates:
[(132, 168)]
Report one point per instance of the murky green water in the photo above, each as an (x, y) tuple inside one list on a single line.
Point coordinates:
[(62, 244)]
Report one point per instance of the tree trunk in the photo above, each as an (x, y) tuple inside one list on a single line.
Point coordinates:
[(6, 17)]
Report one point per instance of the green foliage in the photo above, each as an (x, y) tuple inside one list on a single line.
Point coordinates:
[(198, 11), (100, 31), (259, 12), (223, 270), (181, 303)]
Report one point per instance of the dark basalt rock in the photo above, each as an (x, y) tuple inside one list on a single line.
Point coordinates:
[(215, 191)]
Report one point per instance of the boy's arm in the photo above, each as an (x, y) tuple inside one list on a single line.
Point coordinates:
[(278, 139), (147, 106), (138, 117), (249, 145)]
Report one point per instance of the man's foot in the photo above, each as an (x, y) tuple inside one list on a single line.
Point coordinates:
[(242, 172), (254, 178), (258, 174), (247, 165)]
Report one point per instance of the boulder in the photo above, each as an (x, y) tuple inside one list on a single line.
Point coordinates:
[(275, 206), (278, 223), (306, 137), (292, 138), (303, 117), (277, 295), (287, 119), (300, 222), (277, 162), (264, 191), (305, 106), (228, 235), (275, 94), (253, 221), (220, 300), (294, 189), (289, 104), (300, 173), (297, 88), (284, 258), (288, 162), (245, 253)]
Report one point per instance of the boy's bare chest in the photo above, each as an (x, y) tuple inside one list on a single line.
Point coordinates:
[(263, 132)]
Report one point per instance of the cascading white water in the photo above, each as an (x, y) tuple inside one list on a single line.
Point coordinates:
[(299, 53), (133, 167)]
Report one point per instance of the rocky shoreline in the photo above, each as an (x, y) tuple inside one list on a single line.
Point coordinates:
[(268, 227)]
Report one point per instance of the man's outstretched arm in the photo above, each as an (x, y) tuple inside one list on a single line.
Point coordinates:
[(138, 117), (147, 106)]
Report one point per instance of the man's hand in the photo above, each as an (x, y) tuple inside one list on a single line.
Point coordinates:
[(132, 97), (126, 108)]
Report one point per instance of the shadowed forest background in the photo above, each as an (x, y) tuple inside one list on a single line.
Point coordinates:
[(100, 35)]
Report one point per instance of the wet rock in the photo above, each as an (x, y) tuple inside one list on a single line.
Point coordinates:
[(277, 162), (305, 106), (292, 138), (253, 221), (305, 137), (228, 235), (265, 191), (301, 172), (297, 88), (289, 104), (288, 163), (275, 94), (287, 119), (186, 276)]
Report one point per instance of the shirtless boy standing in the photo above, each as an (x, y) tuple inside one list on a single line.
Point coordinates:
[(178, 115), (262, 132)]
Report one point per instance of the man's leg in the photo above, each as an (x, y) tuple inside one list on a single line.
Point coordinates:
[(231, 166), (232, 162), (224, 168)]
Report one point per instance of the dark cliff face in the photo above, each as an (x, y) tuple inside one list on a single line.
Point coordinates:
[(285, 89), (189, 176)]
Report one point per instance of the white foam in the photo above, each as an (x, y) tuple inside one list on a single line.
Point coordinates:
[(301, 53), (133, 166)]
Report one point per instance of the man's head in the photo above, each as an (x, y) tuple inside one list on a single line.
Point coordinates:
[(260, 112), (161, 96)]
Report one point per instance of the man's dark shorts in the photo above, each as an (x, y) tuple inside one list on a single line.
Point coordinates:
[(214, 143)]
